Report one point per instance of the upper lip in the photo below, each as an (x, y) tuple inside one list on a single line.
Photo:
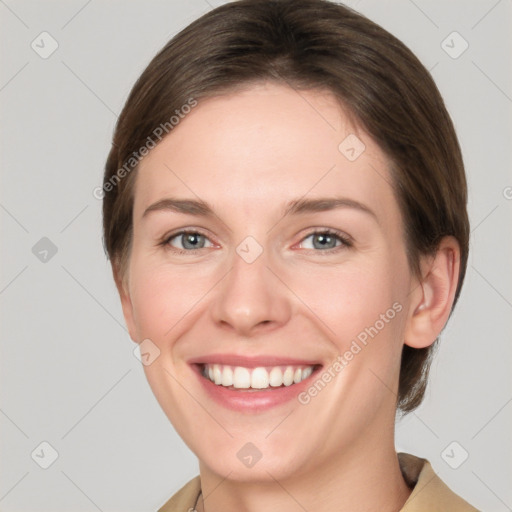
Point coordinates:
[(252, 361)]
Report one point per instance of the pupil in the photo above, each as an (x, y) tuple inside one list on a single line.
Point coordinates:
[(325, 240), (191, 240)]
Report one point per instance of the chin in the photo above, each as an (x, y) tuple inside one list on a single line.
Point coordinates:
[(245, 462)]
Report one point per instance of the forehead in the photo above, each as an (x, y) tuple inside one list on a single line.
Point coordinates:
[(266, 143)]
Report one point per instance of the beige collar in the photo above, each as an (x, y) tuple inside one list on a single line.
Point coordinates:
[(429, 491)]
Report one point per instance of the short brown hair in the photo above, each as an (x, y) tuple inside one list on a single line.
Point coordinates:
[(309, 44)]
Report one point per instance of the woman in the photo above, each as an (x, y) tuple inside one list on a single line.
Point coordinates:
[(285, 213)]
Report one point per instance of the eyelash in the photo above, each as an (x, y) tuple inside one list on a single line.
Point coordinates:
[(346, 243)]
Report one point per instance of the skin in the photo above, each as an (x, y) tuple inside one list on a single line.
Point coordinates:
[(248, 154)]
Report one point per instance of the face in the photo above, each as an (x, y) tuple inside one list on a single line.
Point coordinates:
[(293, 260)]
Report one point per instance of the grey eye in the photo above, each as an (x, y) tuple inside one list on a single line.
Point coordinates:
[(323, 241), (188, 240)]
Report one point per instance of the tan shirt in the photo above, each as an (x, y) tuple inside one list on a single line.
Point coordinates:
[(430, 493)]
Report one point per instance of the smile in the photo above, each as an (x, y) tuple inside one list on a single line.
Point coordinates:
[(239, 377), (253, 383)]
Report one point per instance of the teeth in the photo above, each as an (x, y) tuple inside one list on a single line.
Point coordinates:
[(288, 376), (227, 376), (259, 378), (217, 374), (241, 377), (307, 372), (255, 378), (276, 377)]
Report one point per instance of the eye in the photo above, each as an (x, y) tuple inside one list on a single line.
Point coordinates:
[(326, 239), (187, 241)]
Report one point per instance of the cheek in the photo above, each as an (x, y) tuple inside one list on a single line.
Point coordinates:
[(162, 298), (359, 309), (347, 298)]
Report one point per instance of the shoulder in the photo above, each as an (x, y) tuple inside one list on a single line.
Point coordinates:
[(185, 499), (429, 492)]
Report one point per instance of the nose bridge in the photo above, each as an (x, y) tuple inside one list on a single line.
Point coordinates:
[(250, 296)]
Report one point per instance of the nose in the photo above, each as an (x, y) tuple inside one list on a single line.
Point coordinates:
[(251, 298)]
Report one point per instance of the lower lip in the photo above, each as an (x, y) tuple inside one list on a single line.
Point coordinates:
[(250, 400)]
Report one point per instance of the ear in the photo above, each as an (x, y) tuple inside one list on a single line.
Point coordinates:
[(432, 298), (126, 302)]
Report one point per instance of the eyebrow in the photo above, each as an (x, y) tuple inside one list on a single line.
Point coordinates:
[(295, 207)]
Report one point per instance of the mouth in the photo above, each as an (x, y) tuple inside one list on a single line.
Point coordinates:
[(254, 388), (259, 378)]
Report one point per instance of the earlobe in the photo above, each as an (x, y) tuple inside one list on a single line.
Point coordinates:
[(126, 303), (432, 298)]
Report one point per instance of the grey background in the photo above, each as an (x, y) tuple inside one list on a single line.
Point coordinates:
[(68, 373)]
